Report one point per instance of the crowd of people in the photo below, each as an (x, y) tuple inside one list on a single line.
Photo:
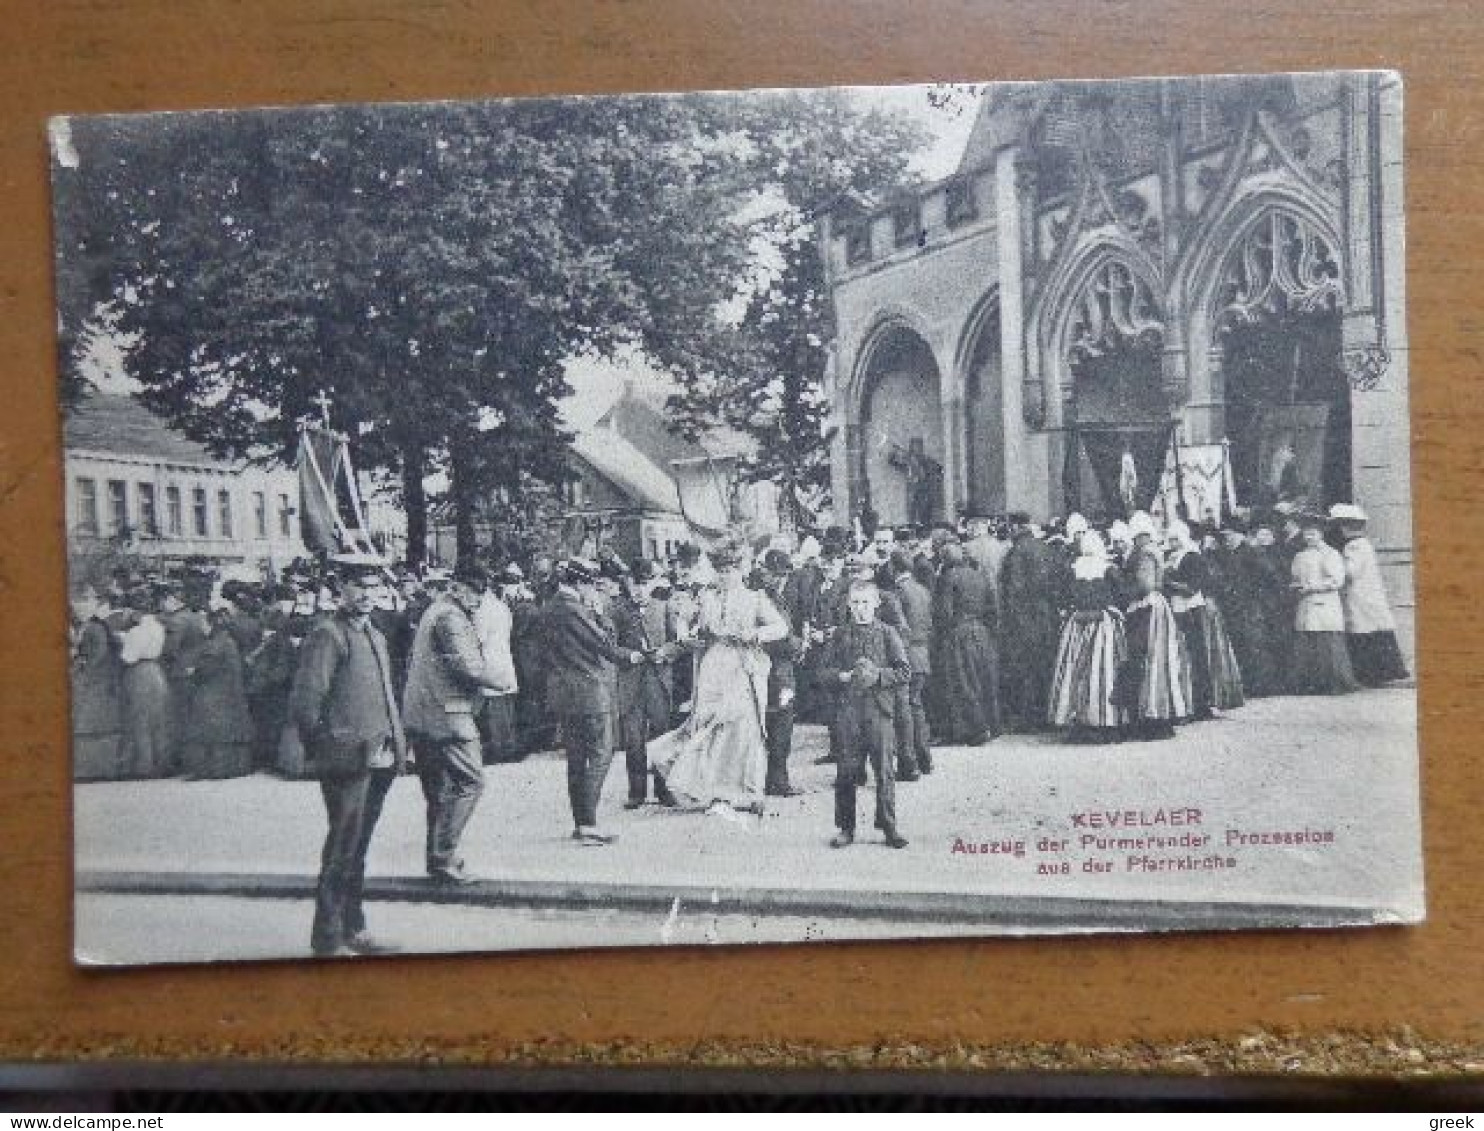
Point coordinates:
[(697, 669)]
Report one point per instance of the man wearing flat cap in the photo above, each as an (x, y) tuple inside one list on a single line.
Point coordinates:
[(582, 652), (446, 679), (345, 707)]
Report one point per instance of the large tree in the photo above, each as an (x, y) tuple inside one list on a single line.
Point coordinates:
[(432, 267), (807, 151)]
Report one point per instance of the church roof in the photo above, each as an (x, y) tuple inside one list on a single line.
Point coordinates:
[(117, 423)]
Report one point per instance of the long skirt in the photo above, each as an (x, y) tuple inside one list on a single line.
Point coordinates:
[(1154, 682), (1086, 673), (148, 717), (212, 758), (967, 672), (1215, 678), (1256, 645), (718, 753), (291, 759), (97, 722), (95, 755), (1376, 658), (1321, 664)]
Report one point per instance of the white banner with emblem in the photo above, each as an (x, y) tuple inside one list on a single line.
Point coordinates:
[(1199, 476)]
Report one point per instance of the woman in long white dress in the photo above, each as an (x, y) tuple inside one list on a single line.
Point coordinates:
[(718, 755)]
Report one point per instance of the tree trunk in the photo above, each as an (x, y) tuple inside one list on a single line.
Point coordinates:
[(465, 505), (415, 503)]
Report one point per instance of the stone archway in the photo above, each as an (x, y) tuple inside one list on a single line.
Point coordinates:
[(1116, 412), (900, 454), (1275, 310), (984, 411)]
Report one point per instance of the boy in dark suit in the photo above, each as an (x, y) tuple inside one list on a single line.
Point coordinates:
[(869, 662)]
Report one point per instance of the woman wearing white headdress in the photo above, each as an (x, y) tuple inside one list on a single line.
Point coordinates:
[(718, 755), (1215, 679), (1091, 651)]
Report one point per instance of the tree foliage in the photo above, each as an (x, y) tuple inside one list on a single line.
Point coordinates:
[(432, 267), (808, 151)]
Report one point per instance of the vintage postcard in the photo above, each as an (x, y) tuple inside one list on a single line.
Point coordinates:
[(788, 515)]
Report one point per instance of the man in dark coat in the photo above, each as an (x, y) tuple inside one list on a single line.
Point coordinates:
[(782, 682), (1032, 582), (916, 604), (868, 662), (641, 704), (581, 653), (830, 612), (346, 710)]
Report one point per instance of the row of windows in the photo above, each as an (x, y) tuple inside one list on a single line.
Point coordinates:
[(906, 220), (172, 523)]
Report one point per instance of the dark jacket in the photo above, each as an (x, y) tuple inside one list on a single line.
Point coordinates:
[(581, 651), (785, 653), (342, 698), (917, 622), (882, 646)]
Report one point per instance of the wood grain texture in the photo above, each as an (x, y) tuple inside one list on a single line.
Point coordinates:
[(958, 1003)]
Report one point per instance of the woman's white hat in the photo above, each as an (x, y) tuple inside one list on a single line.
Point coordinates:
[(1140, 523)]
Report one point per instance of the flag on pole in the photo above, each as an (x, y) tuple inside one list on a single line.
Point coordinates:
[(327, 492), (318, 466), (1198, 476)]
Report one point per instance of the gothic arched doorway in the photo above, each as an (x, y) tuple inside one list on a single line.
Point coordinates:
[(1287, 400), (1118, 420), (984, 423), (901, 450)]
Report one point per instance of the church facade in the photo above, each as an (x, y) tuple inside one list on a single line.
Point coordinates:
[(1120, 267)]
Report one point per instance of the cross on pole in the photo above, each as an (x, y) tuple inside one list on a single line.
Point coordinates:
[(323, 400)]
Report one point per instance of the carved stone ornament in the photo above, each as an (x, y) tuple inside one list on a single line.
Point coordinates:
[(1115, 308), (1282, 265), (1366, 365)]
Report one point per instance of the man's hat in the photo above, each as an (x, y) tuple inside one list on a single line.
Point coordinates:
[(578, 571), (471, 573), (1347, 512), (353, 566), (512, 573), (775, 561), (835, 541), (1020, 518)]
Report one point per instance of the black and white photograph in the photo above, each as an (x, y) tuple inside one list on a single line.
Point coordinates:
[(777, 516)]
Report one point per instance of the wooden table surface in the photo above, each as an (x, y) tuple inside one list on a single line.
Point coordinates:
[(1385, 1000)]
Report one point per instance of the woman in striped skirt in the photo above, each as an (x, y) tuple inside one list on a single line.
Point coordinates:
[(1091, 650)]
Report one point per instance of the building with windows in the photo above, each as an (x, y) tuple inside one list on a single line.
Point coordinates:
[(644, 490), (135, 485), (1217, 261)]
